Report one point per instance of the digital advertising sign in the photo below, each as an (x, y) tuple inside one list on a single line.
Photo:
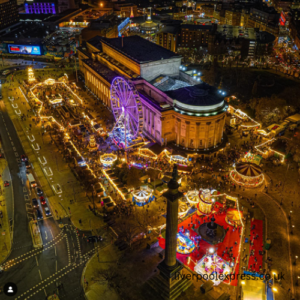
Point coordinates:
[(24, 49)]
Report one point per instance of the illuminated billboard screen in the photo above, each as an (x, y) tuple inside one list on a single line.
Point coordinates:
[(24, 49)]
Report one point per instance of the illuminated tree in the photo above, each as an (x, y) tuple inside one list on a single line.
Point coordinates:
[(31, 77), (133, 177), (270, 109)]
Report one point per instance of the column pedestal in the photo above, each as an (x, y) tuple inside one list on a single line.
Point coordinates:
[(169, 283)]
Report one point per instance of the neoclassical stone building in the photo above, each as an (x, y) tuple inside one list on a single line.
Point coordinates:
[(176, 111)]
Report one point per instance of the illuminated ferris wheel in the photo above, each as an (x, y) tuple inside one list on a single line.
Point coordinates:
[(127, 109)]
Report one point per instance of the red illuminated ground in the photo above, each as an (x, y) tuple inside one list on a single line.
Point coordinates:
[(231, 237)]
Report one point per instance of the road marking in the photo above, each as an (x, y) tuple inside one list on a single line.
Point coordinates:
[(46, 235), (16, 154), (18, 112), (26, 197), (59, 191), (31, 138), (44, 160), (56, 267), (48, 171), (14, 106), (40, 275), (55, 250), (37, 263), (24, 189), (12, 143), (36, 147), (14, 148), (45, 293)]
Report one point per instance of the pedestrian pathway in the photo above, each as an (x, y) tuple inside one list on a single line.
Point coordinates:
[(93, 281), (256, 246), (5, 198)]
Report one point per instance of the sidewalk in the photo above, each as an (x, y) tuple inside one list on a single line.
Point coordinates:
[(70, 188), (5, 197), (93, 284)]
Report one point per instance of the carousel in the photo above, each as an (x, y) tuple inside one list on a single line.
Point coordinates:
[(49, 81), (184, 244), (178, 159), (142, 196), (193, 197), (204, 207), (234, 218), (108, 159), (247, 174)]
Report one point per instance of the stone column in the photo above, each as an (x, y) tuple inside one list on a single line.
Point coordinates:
[(206, 135), (178, 131), (197, 135), (187, 134), (172, 196)]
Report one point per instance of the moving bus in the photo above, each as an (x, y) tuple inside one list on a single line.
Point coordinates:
[(31, 180)]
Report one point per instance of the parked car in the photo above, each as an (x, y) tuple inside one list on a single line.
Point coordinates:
[(43, 201), (39, 214), (24, 157), (35, 203), (94, 239), (47, 211), (39, 191), (27, 164), (6, 183)]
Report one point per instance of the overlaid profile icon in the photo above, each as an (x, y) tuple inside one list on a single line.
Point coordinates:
[(10, 289)]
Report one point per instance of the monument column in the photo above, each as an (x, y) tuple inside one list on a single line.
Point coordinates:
[(172, 196), (168, 284)]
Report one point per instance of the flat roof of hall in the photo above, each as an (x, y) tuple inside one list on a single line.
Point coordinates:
[(139, 49)]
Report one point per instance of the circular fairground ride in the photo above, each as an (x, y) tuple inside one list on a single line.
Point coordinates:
[(127, 108), (247, 174), (108, 159)]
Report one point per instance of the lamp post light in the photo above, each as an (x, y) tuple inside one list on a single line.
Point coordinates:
[(292, 230), (295, 262)]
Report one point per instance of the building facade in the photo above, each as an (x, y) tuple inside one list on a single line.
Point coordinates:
[(195, 36), (167, 37), (190, 117), (9, 13), (48, 7)]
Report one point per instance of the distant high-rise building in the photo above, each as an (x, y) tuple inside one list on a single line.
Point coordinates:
[(8, 13), (48, 6)]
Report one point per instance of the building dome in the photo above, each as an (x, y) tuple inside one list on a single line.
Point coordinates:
[(201, 100), (149, 27)]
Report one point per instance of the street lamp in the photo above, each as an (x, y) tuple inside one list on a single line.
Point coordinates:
[(295, 262)]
